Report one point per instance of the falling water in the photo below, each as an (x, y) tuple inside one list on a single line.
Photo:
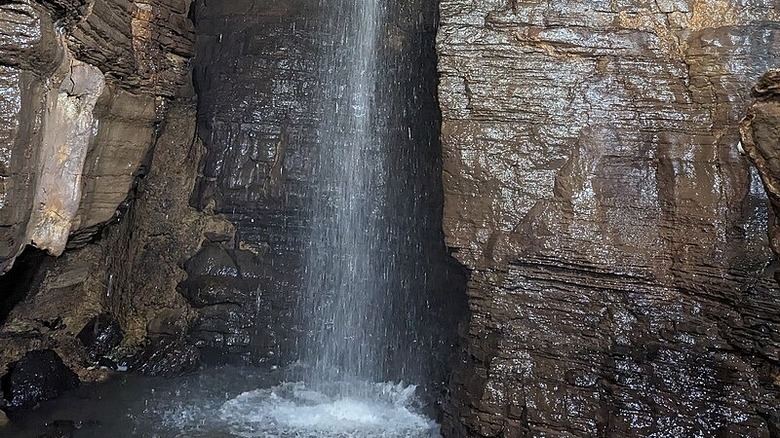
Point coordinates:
[(364, 255), (349, 265), (366, 265)]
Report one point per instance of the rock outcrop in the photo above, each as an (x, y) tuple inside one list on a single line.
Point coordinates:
[(85, 92), (761, 143), (621, 280), (83, 85)]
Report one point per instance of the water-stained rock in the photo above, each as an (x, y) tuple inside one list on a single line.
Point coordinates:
[(259, 74), (209, 291), (615, 236), (224, 327), (37, 377), (760, 139), (72, 139), (166, 356)]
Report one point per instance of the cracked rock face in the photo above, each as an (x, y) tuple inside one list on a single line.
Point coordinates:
[(616, 238)]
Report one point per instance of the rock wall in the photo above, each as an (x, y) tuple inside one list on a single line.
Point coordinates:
[(621, 278), (84, 83), (86, 88), (211, 189), (257, 73), (760, 144)]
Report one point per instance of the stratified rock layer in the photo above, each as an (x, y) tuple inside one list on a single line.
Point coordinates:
[(617, 240), (82, 86), (761, 144), (259, 75), (85, 92)]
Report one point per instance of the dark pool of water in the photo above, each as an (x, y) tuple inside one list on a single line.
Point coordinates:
[(228, 402)]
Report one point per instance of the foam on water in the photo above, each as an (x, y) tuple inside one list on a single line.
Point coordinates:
[(292, 410), (234, 403)]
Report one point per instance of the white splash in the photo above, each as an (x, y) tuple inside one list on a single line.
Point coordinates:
[(292, 410)]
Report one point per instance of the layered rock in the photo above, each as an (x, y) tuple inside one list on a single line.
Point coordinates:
[(86, 91), (760, 144), (620, 273), (83, 87), (259, 77)]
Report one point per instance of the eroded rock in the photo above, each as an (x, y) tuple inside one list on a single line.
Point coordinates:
[(74, 160), (760, 139), (67, 133)]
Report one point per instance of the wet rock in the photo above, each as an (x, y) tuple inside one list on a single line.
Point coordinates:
[(168, 322), (60, 56), (760, 143), (65, 143), (615, 237), (60, 429), (260, 170), (166, 356), (161, 232), (101, 335), (209, 291), (212, 260), (224, 327), (249, 264), (38, 376)]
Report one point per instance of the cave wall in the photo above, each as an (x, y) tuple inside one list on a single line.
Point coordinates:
[(257, 75), (621, 278), (84, 83), (186, 194), (86, 90)]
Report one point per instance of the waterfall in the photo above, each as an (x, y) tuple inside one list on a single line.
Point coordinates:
[(350, 264)]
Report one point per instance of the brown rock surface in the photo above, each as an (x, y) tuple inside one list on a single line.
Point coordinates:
[(140, 50), (616, 238), (131, 273), (760, 141), (260, 78), (84, 95)]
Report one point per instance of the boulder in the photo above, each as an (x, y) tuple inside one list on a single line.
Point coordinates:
[(101, 335), (37, 377)]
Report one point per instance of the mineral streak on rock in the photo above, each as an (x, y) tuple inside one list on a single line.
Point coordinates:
[(67, 133), (593, 186), (143, 46)]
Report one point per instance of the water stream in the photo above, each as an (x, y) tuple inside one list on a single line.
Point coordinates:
[(352, 306), (348, 265)]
